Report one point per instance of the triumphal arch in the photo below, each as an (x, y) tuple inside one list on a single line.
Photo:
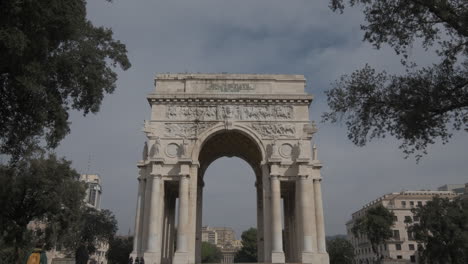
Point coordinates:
[(198, 118)]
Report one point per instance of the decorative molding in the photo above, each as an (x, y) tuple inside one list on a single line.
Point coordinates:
[(172, 150), (234, 112), (275, 130), (286, 150)]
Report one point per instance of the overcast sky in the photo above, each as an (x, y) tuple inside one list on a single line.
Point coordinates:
[(284, 37)]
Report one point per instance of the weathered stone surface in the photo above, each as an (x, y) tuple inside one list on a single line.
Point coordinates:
[(263, 119)]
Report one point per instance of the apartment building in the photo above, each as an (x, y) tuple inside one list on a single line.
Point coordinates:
[(401, 248)]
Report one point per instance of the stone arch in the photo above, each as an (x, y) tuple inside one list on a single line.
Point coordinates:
[(220, 128), (192, 117)]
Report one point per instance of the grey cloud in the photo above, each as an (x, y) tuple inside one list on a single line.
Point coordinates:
[(301, 37)]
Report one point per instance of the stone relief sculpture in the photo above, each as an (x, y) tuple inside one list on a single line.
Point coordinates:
[(155, 148), (237, 112), (188, 130), (145, 151), (184, 148), (278, 130), (274, 148)]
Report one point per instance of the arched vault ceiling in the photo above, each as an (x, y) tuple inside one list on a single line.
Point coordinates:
[(229, 144)]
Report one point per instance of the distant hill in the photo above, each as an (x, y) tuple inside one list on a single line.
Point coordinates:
[(336, 236)]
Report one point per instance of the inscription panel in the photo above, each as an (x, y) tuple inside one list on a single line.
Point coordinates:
[(236, 112)]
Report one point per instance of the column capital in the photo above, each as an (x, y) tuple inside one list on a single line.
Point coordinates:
[(184, 176), (274, 176), (156, 176), (317, 180), (302, 177)]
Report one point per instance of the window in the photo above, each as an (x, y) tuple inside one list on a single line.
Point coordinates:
[(419, 203), (395, 218), (399, 257), (410, 235), (411, 246), (413, 259), (411, 203), (403, 204), (396, 234), (398, 246)]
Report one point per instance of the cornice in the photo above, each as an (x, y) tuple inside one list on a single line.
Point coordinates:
[(154, 98)]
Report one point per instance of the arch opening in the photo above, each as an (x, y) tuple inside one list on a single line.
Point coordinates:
[(229, 144)]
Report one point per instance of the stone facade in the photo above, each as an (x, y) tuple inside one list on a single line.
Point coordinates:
[(197, 118), (402, 248)]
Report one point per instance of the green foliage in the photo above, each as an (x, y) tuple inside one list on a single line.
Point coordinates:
[(423, 105), (248, 252), (43, 189), (94, 227), (443, 230), (340, 250), (52, 60), (119, 250), (210, 253), (375, 225)]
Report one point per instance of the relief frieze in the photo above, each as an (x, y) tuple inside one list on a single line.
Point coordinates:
[(185, 130), (275, 130), (235, 112)]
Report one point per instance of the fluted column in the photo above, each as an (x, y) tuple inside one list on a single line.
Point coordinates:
[(277, 228), (138, 218), (182, 225), (319, 216), (154, 213), (307, 208)]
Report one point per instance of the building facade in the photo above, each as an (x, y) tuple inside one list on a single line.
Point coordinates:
[(225, 239), (401, 248)]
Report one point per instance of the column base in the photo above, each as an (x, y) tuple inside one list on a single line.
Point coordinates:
[(180, 258), (277, 257), (314, 257), (152, 257)]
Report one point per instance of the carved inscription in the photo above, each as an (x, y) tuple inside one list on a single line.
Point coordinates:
[(236, 112), (275, 130), (229, 87), (184, 130)]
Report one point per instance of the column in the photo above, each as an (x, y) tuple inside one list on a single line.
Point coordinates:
[(138, 219), (319, 217), (183, 214), (181, 254), (154, 215), (146, 213), (307, 208), (277, 229)]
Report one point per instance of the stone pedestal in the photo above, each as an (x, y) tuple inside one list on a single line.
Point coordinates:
[(180, 258)]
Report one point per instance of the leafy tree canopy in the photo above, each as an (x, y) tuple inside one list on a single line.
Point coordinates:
[(426, 103), (43, 189), (93, 228), (210, 253), (375, 225), (340, 250), (119, 250), (443, 230), (248, 252), (52, 60)]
